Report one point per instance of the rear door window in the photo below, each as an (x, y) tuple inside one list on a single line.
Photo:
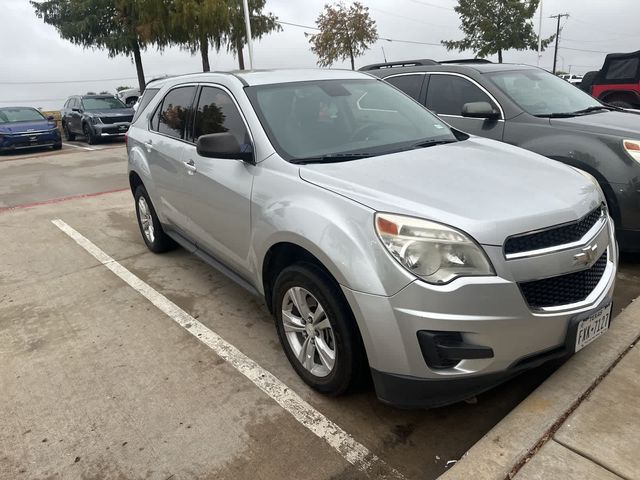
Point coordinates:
[(217, 113), (448, 93), (175, 111), (409, 84)]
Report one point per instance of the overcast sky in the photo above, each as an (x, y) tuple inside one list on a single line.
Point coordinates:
[(32, 53)]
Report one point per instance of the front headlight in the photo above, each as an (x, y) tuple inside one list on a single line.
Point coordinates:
[(432, 251), (632, 147)]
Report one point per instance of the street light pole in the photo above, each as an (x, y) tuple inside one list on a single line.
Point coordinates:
[(248, 25), (540, 35), (555, 53)]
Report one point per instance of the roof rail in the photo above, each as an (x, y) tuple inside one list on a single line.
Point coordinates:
[(404, 63), (466, 60)]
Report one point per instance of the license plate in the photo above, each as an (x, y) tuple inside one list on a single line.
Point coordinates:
[(591, 328)]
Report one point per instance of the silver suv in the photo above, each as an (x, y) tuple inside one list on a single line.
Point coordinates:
[(382, 240)]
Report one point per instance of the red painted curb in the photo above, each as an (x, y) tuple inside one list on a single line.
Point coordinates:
[(60, 200)]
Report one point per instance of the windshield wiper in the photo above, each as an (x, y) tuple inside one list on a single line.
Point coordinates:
[(432, 142), (594, 108), (332, 158)]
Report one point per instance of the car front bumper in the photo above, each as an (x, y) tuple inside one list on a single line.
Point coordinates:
[(29, 140), (488, 312), (111, 130)]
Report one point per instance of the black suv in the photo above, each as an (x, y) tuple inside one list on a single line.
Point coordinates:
[(533, 109), (95, 117)]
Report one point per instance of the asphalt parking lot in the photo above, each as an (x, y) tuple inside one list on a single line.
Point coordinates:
[(98, 380)]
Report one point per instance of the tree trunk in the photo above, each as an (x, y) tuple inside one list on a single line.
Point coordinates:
[(138, 61), (204, 53), (239, 46), (499, 55), (353, 66)]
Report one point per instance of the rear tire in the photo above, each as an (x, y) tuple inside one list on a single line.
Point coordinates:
[(317, 330), (68, 135), (57, 146), (152, 233), (620, 103)]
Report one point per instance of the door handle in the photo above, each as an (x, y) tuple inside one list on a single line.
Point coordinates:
[(148, 145), (190, 166)]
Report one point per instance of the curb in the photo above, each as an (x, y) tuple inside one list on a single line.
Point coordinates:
[(512, 442)]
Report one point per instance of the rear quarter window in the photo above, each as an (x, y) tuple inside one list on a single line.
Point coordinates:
[(148, 95)]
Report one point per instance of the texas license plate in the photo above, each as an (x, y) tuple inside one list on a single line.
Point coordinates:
[(592, 327)]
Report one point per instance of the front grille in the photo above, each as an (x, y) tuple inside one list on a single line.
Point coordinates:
[(554, 236), (110, 120), (564, 289)]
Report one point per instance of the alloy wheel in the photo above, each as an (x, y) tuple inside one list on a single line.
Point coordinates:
[(146, 220), (308, 331)]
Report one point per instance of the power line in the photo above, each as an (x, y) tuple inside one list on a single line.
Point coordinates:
[(55, 82), (427, 4), (582, 50), (387, 39)]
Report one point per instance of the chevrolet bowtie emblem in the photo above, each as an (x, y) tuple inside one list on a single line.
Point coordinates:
[(587, 255)]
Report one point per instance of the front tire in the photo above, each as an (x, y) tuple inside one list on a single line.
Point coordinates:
[(152, 233), (317, 330), (88, 134)]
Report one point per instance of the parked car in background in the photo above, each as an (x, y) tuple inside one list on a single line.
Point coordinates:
[(378, 237), (533, 109), (95, 117), (26, 127), (572, 78), (617, 82), (129, 96)]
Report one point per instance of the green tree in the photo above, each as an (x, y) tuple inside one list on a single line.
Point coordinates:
[(113, 25), (235, 35), (493, 26), (345, 32), (195, 25), (123, 87)]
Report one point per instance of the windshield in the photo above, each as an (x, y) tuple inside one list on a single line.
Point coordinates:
[(102, 103), (329, 118), (10, 115), (540, 93)]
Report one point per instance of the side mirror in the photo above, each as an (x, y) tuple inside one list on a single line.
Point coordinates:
[(51, 118), (223, 145), (480, 110)]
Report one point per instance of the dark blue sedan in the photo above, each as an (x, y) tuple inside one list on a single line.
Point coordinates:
[(25, 127)]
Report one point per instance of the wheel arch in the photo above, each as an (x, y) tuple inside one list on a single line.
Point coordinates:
[(629, 96), (281, 255)]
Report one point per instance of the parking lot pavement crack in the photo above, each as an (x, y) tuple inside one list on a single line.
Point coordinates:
[(590, 458), (350, 449)]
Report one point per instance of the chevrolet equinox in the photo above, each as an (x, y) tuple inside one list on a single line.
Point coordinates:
[(381, 239)]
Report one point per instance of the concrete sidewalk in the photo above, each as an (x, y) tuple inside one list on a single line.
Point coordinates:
[(601, 438), (583, 423)]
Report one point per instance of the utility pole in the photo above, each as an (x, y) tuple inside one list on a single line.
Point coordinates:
[(555, 53), (540, 36)]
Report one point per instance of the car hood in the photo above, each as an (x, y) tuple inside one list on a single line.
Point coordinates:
[(24, 127), (624, 124), (119, 112), (488, 189)]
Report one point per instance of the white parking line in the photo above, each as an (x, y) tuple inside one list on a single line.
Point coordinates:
[(78, 146), (351, 450)]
